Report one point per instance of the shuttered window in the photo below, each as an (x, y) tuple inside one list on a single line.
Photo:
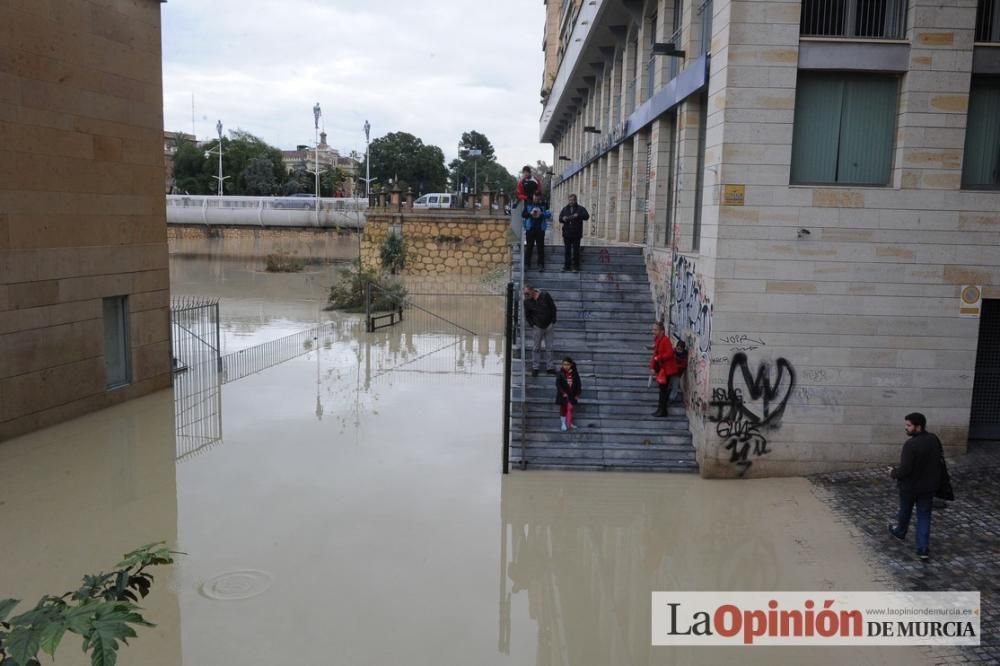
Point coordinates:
[(844, 125), (981, 164)]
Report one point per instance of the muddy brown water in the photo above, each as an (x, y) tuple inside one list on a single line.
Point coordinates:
[(350, 510)]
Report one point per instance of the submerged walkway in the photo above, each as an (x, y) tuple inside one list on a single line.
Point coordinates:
[(605, 317)]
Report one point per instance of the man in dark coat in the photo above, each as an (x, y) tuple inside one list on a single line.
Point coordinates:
[(572, 218), (540, 314), (918, 475)]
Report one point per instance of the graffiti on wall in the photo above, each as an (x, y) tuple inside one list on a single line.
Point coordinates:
[(750, 405), (690, 306)]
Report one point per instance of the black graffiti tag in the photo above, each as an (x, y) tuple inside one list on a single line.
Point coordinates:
[(766, 400), (748, 405)]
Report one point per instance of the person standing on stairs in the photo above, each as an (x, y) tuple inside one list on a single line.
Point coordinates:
[(568, 389), (662, 366), (527, 185), (536, 222), (681, 355), (572, 218), (540, 314)]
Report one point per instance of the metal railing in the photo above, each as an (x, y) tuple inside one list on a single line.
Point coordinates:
[(258, 358), (866, 19), (266, 211), (988, 21)]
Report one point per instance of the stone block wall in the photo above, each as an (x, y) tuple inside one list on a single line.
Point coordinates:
[(319, 245), (445, 242), (82, 212)]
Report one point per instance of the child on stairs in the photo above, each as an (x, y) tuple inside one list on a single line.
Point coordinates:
[(568, 389)]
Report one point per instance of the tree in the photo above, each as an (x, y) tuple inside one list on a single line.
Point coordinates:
[(466, 169), (194, 171), (258, 178), (191, 173), (404, 156)]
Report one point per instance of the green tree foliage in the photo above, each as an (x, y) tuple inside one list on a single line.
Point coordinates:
[(194, 170), (393, 253), (485, 169), (416, 164), (103, 611), (348, 292), (259, 178)]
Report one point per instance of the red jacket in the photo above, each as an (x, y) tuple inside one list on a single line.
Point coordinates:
[(522, 193), (664, 363)]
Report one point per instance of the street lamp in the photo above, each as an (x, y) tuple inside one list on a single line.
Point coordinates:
[(368, 160), (474, 152), (218, 149), (317, 114)]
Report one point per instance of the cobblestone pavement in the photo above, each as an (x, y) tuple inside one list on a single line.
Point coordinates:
[(965, 539)]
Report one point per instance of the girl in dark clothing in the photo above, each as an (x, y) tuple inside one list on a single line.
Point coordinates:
[(567, 392)]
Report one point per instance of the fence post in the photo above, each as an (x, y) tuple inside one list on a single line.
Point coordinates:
[(368, 311), (218, 341), (507, 366)]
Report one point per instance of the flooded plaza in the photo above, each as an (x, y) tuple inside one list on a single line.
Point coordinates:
[(344, 505)]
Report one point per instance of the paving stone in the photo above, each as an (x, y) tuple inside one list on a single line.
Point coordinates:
[(965, 538)]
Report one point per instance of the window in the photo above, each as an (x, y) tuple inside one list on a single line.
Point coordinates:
[(116, 345), (844, 126), (981, 164), (699, 181), (651, 64), (879, 19), (988, 21)]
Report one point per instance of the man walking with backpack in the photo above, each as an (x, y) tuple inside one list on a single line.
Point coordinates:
[(540, 314), (572, 218), (918, 475)]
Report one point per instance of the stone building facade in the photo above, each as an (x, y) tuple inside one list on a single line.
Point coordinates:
[(84, 301), (816, 187), (440, 242)]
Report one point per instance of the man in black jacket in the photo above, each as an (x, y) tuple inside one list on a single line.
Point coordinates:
[(540, 314), (918, 475), (572, 218)]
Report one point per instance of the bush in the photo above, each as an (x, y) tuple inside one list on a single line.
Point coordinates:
[(103, 611), (393, 253), (282, 262), (348, 292)]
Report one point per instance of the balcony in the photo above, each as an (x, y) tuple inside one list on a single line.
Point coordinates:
[(988, 21), (856, 19)]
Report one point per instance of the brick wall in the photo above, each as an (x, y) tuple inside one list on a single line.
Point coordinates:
[(82, 212)]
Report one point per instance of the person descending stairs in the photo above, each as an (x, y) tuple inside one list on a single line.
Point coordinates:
[(605, 315)]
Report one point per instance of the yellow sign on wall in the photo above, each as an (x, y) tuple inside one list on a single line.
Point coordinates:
[(972, 301), (733, 195)]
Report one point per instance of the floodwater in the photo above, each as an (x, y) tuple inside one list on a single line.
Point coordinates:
[(346, 506)]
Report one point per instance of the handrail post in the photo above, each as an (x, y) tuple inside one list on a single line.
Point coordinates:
[(507, 366)]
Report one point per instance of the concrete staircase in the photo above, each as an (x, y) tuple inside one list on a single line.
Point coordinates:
[(605, 318)]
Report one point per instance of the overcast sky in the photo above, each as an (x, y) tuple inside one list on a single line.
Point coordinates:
[(434, 69)]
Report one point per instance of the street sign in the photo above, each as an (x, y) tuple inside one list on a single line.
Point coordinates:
[(972, 301)]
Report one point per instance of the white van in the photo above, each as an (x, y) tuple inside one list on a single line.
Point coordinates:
[(437, 200)]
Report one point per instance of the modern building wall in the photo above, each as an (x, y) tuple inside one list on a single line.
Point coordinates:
[(82, 211), (820, 311)]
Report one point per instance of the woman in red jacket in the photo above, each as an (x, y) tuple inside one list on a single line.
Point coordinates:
[(662, 366)]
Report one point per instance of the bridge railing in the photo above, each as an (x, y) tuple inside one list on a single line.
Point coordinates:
[(266, 211)]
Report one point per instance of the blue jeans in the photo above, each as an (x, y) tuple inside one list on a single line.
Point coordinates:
[(924, 502)]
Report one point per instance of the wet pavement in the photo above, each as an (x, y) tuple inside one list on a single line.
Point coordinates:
[(346, 507), (965, 538)]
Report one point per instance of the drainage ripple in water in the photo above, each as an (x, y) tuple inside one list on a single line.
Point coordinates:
[(237, 585)]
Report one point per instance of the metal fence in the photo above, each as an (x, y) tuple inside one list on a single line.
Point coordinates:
[(194, 344), (872, 19), (252, 360)]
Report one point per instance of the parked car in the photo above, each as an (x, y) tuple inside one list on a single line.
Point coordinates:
[(302, 201), (436, 200)]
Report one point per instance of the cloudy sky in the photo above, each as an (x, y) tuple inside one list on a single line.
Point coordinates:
[(434, 69)]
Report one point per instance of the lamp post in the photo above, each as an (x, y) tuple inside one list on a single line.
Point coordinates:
[(317, 114), (474, 152), (218, 149), (368, 160)]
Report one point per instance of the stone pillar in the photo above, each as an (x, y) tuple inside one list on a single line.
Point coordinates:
[(470, 200), (396, 197), (502, 200), (380, 195), (486, 199), (409, 198)]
